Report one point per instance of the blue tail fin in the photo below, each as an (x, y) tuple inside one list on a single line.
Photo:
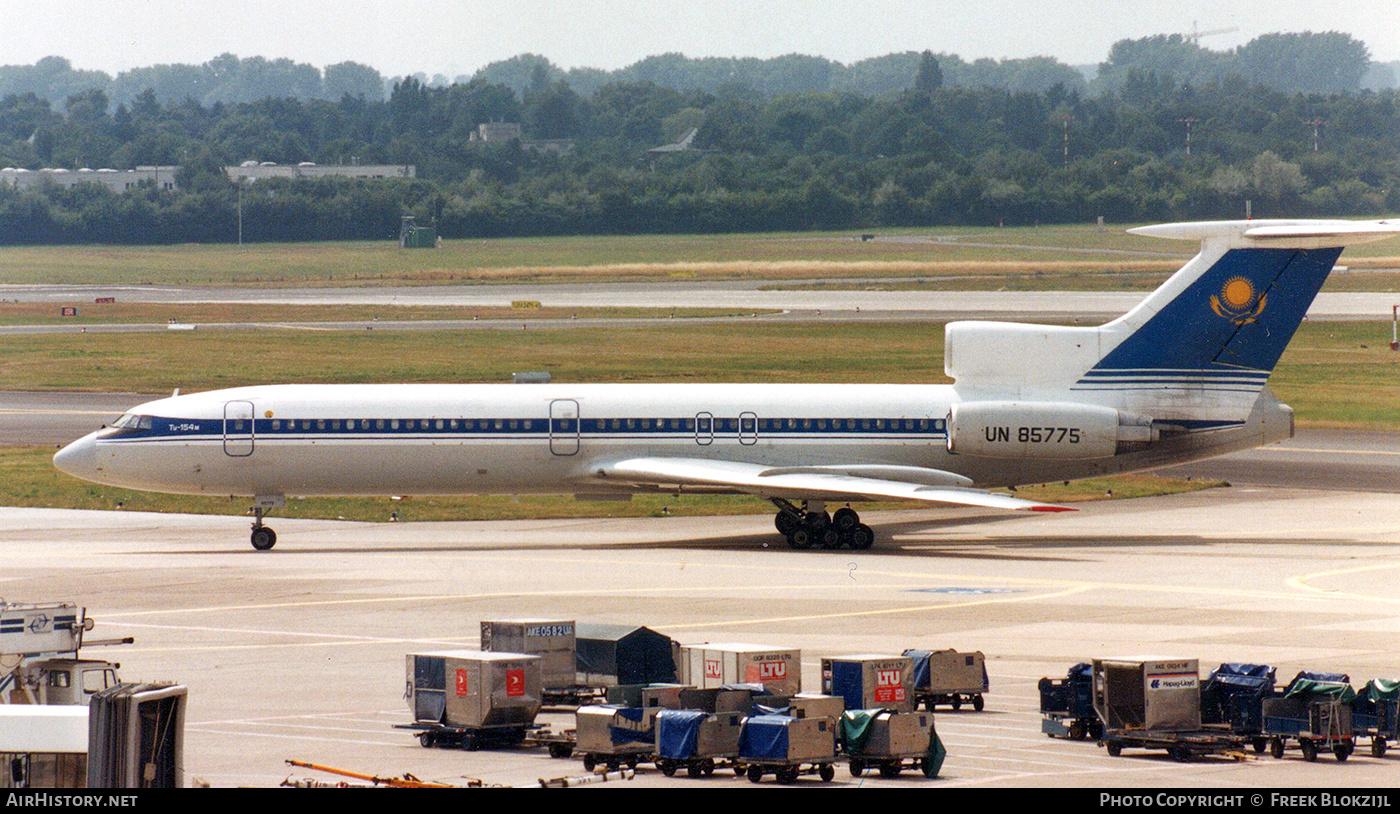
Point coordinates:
[(1238, 316)]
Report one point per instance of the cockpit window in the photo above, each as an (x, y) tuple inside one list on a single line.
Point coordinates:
[(131, 421)]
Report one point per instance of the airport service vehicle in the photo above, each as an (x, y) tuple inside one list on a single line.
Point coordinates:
[(1180, 377)]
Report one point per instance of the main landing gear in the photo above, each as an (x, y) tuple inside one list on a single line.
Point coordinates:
[(811, 526), (263, 537)]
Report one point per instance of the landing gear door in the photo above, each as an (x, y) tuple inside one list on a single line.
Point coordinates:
[(238, 429), (563, 427)]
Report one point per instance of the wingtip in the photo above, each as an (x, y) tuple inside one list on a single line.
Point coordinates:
[(1050, 508)]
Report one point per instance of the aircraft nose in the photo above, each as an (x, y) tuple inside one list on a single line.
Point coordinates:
[(77, 459)]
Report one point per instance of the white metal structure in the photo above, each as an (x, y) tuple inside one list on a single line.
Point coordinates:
[(1179, 377)]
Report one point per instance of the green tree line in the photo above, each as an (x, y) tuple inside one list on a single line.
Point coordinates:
[(933, 152)]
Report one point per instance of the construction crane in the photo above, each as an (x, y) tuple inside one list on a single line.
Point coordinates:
[(1195, 34)]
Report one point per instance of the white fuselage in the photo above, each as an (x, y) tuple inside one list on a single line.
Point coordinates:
[(548, 438)]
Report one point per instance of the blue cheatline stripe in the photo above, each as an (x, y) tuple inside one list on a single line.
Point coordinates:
[(165, 429)]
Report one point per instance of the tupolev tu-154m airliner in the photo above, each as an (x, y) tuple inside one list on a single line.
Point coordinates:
[(1180, 377)]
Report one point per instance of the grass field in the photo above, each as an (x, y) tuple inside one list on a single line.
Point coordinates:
[(973, 253), (1335, 374)]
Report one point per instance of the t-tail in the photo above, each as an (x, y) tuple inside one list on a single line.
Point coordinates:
[(1194, 355)]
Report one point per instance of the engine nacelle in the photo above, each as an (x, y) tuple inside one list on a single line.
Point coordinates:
[(1042, 430)]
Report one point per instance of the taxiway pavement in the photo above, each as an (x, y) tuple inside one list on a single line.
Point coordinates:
[(299, 652)]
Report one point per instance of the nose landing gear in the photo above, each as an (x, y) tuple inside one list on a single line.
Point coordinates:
[(263, 537)]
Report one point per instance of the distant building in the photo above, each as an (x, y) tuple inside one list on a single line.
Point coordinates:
[(159, 176), (500, 132), (267, 169)]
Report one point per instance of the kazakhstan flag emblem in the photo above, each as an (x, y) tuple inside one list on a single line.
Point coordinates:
[(1238, 301)]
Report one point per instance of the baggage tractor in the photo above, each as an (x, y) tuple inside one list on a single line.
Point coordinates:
[(1067, 706)]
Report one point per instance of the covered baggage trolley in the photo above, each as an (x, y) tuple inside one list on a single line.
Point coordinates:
[(613, 736), (697, 741), (949, 677), (891, 742), (1316, 712), (788, 747), (1067, 706), (1234, 695), (1376, 712)]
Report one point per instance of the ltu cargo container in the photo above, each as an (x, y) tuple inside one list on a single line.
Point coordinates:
[(870, 681), (778, 669)]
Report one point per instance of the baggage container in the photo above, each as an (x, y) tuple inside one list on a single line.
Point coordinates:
[(788, 747), (779, 670), (721, 699), (812, 705), (608, 655), (550, 639), (870, 681), (1159, 695), (697, 741), (949, 677), (890, 742), (474, 690), (612, 735), (1156, 704)]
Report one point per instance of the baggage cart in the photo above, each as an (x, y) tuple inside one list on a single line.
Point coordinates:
[(949, 677), (1156, 704), (1233, 695), (1315, 712), (613, 736), (559, 744), (699, 742), (1376, 713), (1067, 706), (788, 747), (890, 742)]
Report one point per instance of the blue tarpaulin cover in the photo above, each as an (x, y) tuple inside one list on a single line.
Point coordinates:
[(765, 737), (678, 733), (621, 735)]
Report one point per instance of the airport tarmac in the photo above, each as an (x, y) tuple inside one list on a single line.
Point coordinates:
[(786, 300), (298, 653)]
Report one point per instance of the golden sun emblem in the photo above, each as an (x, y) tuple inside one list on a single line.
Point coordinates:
[(1238, 301)]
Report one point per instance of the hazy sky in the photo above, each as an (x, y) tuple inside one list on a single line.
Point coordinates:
[(452, 38)]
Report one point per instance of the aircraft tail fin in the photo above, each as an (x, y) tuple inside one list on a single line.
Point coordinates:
[(1207, 338)]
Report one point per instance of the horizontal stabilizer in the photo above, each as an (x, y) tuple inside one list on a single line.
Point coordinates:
[(1300, 234), (806, 483)]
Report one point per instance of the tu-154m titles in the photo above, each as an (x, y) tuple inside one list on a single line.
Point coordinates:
[(1179, 377)]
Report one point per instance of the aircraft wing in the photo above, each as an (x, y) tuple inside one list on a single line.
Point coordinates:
[(854, 482)]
